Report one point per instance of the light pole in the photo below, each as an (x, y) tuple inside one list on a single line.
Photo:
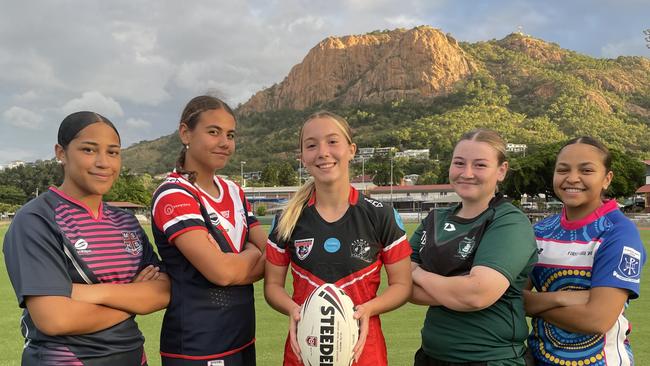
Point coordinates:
[(363, 172), (391, 177), (241, 172)]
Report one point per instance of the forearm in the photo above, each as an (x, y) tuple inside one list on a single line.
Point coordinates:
[(278, 298), (460, 293), (57, 316), (421, 297), (257, 273), (539, 302), (585, 319), (137, 297), (394, 296)]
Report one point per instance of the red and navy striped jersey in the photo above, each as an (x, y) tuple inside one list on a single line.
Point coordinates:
[(55, 241), (348, 253), (203, 321)]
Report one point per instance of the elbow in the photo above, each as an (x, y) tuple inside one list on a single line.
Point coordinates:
[(53, 327), (599, 326), (476, 302)]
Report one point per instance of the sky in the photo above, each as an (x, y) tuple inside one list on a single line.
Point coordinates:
[(139, 62)]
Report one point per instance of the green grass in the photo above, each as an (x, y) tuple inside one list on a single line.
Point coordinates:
[(401, 327)]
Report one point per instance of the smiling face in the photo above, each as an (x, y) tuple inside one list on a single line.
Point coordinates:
[(211, 142), (580, 178), (475, 171), (91, 161), (326, 150)]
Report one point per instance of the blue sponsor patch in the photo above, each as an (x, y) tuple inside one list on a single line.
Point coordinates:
[(398, 220), (332, 245), (272, 225)]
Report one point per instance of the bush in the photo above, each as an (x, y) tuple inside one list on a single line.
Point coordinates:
[(260, 210)]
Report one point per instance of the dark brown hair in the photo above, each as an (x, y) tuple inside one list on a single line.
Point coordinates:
[(190, 117), (75, 122), (588, 140)]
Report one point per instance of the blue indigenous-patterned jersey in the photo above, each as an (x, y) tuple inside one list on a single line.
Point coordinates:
[(601, 250)]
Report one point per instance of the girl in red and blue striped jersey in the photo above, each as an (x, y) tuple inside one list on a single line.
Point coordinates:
[(81, 268), (211, 244)]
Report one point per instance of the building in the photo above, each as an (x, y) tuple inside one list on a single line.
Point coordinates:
[(516, 148), (645, 189), (413, 154), (416, 198)]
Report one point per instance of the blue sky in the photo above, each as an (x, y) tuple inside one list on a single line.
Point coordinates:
[(139, 62)]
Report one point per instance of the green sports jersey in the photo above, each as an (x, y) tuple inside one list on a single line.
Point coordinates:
[(500, 238)]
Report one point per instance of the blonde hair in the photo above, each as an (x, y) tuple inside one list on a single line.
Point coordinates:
[(292, 211), (491, 138)]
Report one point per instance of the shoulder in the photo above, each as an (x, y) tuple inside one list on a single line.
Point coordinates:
[(617, 225), (373, 208), (508, 212), (41, 206)]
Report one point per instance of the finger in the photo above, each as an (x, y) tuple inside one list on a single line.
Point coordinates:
[(141, 274)]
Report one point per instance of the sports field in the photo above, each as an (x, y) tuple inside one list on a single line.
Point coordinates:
[(401, 327)]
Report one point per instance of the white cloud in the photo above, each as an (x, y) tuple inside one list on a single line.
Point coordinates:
[(631, 46), (403, 21), (138, 123), (22, 118), (94, 101)]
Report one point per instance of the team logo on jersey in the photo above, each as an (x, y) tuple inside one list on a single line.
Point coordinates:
[(360, 249), (225, 214), (81, 246), (214, 219), (303, 247), (629, 265), (449, 227), (132, 243), (465, 247)]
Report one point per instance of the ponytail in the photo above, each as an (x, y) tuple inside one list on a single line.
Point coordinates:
[(180, 163), (291, 213)]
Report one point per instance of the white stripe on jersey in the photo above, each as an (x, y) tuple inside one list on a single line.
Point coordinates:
[(168, 192), (76, 265), (563, 254), (180, 218), (359, 278), (304, 277), (395, 243), (615, 350), (275, 246)]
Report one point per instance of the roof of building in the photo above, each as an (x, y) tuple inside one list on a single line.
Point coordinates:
[(644, 189), (126, 204), (414, 188)]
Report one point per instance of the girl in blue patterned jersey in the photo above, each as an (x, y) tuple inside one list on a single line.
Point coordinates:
[(590, 260), (81, 268)]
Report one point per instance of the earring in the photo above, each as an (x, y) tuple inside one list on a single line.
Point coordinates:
[(187, 147)]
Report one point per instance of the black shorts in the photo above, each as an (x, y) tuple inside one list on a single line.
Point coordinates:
[(422, 359), (36, 356), (245, 357)]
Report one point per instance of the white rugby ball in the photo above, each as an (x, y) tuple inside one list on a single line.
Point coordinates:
[(327, 330)]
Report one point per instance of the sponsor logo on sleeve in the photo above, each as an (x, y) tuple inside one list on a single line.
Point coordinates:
[(629, 265), (169, 208), (81, 246), (423, 240), (373, 202), (132, 242), (303, 247), (398, 220)]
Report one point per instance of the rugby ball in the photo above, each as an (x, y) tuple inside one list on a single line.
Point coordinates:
[(327, 330)]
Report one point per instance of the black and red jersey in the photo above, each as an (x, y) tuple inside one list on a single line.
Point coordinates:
[(55, 241), (203, 321), (348, 253)]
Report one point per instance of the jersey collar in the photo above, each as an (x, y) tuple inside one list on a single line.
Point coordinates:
[(80, 204), (607, 207), (353, 197)]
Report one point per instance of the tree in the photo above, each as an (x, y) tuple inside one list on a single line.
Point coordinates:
[(130, 188), (629, 174), (286, 174), (270, 175), (532, 174), (12, 195)]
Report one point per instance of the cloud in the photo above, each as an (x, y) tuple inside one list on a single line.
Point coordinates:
[(94, 101), (403, 21), (138, 123), (22, 118)]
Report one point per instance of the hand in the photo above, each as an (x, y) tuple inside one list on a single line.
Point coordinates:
[(294, 318), (362, 314), (149, 273)]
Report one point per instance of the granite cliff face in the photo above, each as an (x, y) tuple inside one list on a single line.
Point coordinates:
[(419, 63)]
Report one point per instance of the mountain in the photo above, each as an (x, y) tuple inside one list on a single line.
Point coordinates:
[(420, 88), (372, 68)]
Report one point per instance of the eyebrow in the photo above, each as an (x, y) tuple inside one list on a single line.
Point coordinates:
[(92, 143), (218, 128)]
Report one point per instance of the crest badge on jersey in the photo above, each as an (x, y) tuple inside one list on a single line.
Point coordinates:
[(466, 247), (360, 249), (132, 242), (303, 247), (449, 227), (630, 265)]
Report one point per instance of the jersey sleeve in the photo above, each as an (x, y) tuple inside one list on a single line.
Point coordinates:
[(149, 256), (276, 249), (393, 237), (176, 211), (35, 259), (416, 242), (507, 245), (619, 259)]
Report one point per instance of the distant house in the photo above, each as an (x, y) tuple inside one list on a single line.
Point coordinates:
[(645, 189), (134, 208)]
